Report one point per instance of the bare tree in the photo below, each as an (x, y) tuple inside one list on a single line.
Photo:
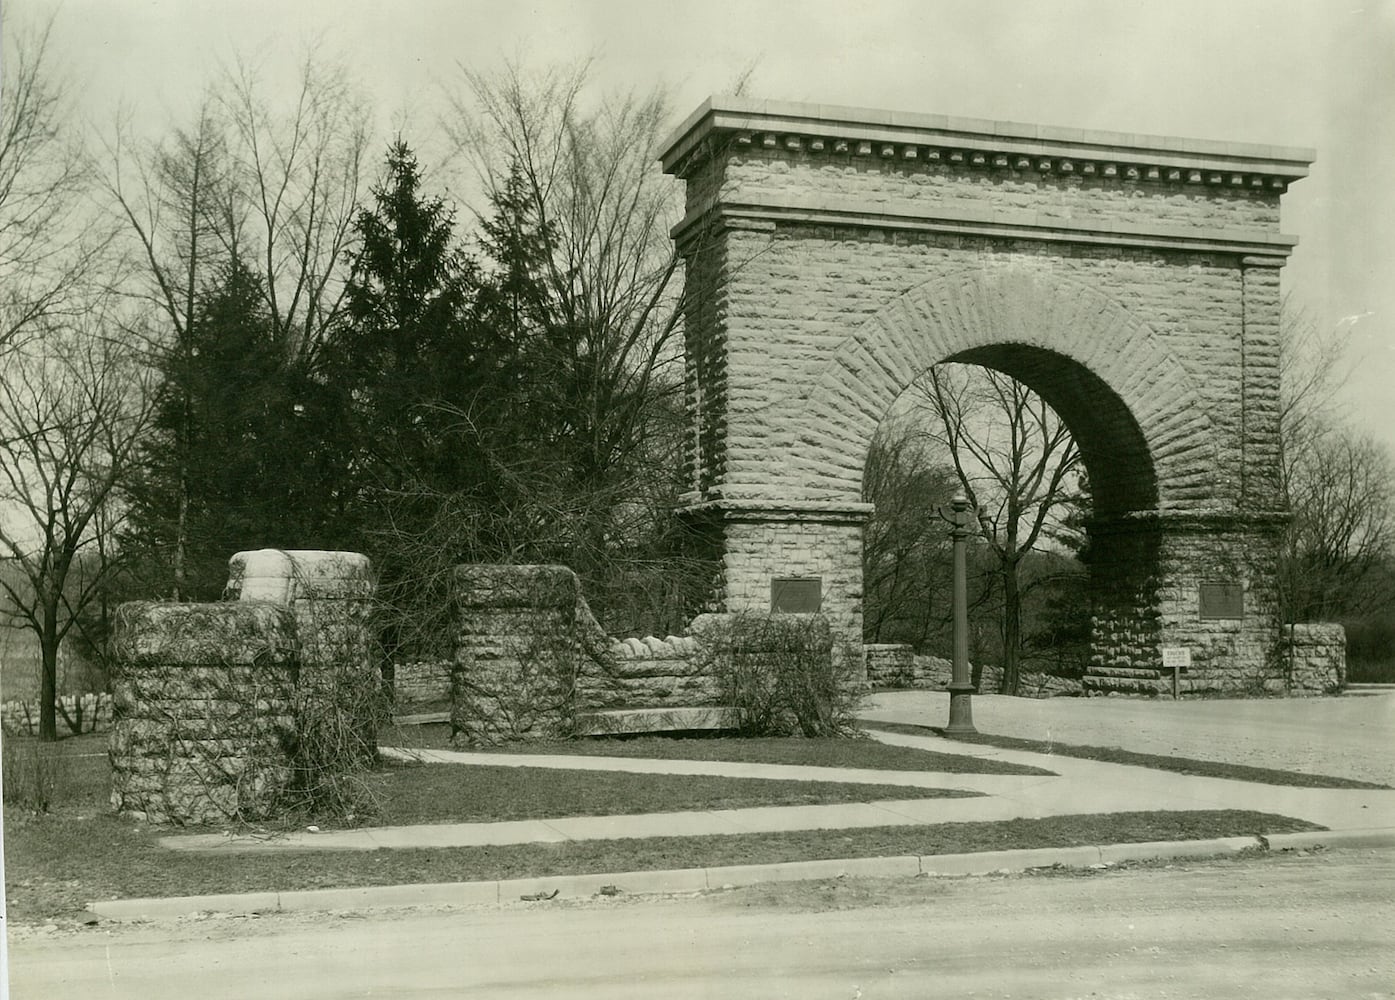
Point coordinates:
[(297, 175), (47, 245), (245, 181), (585, 288), (176, 201), (1341, 495), (1338, 485), (905, 545), (1017, 464), (73, 405), (605, 276)]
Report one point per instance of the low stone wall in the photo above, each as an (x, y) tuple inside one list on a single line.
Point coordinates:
[(420, 682), (648, 673), (1029, 684), (85, 713), (205, 718), (895, 666), (1314, 657), (530, 656), (891, 665)]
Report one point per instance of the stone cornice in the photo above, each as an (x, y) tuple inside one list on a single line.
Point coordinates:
[(820, 511), (820, 129), (766, 212)]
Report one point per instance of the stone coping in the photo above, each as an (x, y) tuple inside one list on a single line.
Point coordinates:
[(740, 114)]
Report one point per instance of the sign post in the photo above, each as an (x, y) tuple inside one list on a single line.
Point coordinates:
[(1176, 659)]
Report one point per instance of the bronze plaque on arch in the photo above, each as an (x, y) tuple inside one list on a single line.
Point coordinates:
[(792, 595), (1221, 601)]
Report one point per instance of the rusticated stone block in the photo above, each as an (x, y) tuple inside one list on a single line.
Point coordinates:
[(1135, 287), (330, 595), (205, 711), (1314, 657)]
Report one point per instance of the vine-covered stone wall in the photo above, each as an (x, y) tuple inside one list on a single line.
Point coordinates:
[(235, 709), (205, 717)]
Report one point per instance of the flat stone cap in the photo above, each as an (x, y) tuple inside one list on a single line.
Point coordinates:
[(740, 114), (285, 575)]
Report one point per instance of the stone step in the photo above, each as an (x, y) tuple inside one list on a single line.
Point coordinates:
[(420, 718), (621, 721)]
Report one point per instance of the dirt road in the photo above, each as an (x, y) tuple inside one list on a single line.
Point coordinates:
[(1313, 926)]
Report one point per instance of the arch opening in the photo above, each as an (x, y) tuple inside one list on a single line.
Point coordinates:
[(1112, 446), (968, 425)]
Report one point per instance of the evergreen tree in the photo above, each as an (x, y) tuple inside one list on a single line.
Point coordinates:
[(418, 370), (243, 455)]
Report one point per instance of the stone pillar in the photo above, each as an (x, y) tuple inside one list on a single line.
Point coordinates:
[(525, 635), (1125, 633), (792, 557), (1261, 301), (1203, 583), (330, 595), (204, 711)]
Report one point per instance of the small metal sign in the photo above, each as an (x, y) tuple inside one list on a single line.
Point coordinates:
[(1176, 657), (1220, 601), (796, 595)]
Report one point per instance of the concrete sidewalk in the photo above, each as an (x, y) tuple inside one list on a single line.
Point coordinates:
[(1078, 786), (1356, 818)]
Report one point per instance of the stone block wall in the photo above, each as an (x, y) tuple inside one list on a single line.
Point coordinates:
[(525, 637), (896, 666), (530, 657), (1314, 658), (648, 673), (420, 682), (204, 700), (330, 596), (891, 665)]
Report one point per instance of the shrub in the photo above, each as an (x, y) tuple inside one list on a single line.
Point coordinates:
[(1371, 650), (784, 674), (34, 774)]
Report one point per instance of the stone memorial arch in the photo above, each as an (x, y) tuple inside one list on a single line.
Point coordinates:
[(835, 254)]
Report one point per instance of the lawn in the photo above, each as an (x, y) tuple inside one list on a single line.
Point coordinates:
[(1114, 755), (456, 793), (58, 862), (856, 752)]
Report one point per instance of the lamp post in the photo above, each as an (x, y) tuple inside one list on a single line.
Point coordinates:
[(961, 689)]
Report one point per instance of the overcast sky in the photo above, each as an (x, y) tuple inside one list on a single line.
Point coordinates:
[(1314, 73)]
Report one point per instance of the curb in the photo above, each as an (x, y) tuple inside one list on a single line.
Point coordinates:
[(687, 880)]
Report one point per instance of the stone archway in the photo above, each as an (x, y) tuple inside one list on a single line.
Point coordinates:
[(834, 255)]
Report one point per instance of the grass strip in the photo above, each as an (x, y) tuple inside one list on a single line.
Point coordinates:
[(859, 752), (450, 793), (1159, 762), (57, 865)]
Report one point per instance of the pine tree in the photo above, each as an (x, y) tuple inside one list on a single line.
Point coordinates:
[(417, 368), (244, 454)]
